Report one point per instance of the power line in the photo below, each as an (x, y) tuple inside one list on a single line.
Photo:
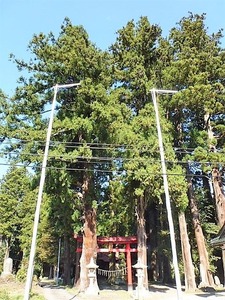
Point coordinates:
[(105, 159), (96, 145), (115, 172)]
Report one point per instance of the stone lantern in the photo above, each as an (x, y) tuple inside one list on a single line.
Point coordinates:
[(140, 290), (92, 289)]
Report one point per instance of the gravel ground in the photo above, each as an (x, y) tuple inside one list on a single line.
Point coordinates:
[(56, 293), (156, 292)]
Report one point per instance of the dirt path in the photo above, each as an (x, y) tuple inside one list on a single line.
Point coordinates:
[(156, 292), (56, 293)]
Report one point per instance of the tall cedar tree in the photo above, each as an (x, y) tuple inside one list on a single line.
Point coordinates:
[(197, 111), (135, 67), (70, 57), (15, 189)]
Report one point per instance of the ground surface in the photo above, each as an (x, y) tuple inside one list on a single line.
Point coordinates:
[(156, 292)]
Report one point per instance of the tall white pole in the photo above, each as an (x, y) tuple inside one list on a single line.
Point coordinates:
[(166, 189), (40, 192), (58, 263)]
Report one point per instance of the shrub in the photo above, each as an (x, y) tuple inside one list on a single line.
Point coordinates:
[(21, 275)]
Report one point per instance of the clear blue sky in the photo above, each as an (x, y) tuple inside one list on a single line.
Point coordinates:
[(20, 19)]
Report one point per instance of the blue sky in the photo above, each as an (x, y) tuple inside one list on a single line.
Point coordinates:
[(20, 19)]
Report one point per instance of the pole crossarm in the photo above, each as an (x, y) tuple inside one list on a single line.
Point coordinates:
[(69, 85), (170, 92)]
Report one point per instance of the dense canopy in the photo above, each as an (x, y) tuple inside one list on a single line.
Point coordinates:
[(103, 175)]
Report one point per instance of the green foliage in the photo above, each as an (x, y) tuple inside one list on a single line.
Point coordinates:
[(35, 296), (4, 295), (14, 224), (21, 274), (3, 249), (104, 151)]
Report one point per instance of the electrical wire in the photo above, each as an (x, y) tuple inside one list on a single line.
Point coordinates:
[(92, 145), (96, 170), (115, 172), (105, 159)]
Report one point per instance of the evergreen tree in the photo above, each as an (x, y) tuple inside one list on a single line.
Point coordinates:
[(197, 110), (14, 190)]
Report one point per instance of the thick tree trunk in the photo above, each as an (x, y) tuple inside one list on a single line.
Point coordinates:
[(219, 196), (205, 273), (77, 269), (220, 205), (153, 231), (66, 267), (89, 248), (217, 186), (190, 284), (142, 237)]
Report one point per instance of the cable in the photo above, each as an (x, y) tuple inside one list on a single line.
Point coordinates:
[(105, 159), (94, 144), (115, 172)]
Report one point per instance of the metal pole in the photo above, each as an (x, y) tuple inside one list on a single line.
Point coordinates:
[(166, 189), (40, 192), (58, 264)]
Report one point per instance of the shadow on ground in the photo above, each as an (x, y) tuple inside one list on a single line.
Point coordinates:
[(51, 285), (156, 291)]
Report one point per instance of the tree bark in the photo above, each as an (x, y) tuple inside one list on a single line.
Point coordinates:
[(153, 231), (77, 269), (66, 269), (190, 284), (89, 247), (220, 205), (219, 196), (142, 237), (217, 186), (204, 268)]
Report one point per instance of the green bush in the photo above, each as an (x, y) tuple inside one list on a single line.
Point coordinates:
[(36, 297), (21, 275), (4, 295), (2, 255)]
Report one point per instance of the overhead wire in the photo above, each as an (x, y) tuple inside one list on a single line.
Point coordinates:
[(84, 143), (104, 170), (104, 159)]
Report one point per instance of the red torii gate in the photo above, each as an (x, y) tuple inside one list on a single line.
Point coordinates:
[(118, 241)]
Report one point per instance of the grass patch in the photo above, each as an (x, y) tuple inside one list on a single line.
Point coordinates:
[(5, 295)]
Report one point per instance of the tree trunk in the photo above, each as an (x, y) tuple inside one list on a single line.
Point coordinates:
[(205, 273), (153, 231), (77, 269), (66, 260), (142, 237), (219, 196), (190, 284), (89, 248), (220, 205)]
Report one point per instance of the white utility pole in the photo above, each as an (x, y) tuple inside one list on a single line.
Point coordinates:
[(40, 192), (58, 263), (154, 92)]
